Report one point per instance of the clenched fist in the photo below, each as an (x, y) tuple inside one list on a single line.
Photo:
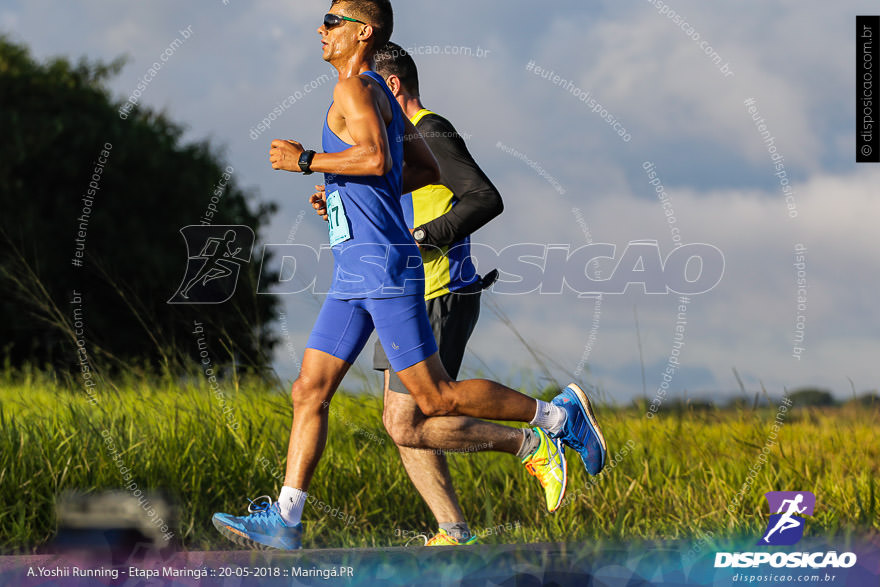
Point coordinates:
[(284, 155), (318, 200)]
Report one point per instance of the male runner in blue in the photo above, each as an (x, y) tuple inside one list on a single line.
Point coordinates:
[(442, 217), (372, 155)]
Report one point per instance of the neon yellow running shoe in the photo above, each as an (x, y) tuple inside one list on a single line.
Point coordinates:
[(548, 464), (442, 538)]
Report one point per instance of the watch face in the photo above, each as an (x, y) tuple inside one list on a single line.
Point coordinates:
[(419, 235), (305, 161)]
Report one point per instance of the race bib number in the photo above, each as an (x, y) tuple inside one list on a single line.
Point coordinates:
[(337, 220)]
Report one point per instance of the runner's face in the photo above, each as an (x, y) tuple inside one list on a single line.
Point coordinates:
[(341, 40)]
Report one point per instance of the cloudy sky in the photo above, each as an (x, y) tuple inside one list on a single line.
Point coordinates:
[(674, 83)]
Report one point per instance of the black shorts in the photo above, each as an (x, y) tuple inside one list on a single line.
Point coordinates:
[(453, 317)]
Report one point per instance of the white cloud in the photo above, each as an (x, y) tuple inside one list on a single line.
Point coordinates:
[(661, 84), (749, 320)]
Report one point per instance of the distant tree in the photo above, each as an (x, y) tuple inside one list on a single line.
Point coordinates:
[(869, 400), (811, 397), (57, 118), (738, 403)]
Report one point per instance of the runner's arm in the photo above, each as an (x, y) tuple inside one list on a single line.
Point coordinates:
[(369, 154), (420, 167), (478, 200)]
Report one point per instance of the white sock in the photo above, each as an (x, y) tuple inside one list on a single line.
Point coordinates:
[(531, 442), (549, 417), (291, 503)]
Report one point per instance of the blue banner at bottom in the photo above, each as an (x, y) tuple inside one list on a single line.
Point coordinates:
[(838, 563)]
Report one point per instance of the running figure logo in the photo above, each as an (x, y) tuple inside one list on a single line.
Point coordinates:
[(786, 527), (212, 274)]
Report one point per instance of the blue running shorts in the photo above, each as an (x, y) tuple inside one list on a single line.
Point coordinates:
[(343, 327)]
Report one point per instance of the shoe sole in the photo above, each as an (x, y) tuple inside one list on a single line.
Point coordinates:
[(561, 448), (234, 536), (591, 418)]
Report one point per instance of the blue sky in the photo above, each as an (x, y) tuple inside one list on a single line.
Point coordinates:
[(794, 58)]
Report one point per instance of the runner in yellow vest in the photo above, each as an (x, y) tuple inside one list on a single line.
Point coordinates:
[(442, 217)]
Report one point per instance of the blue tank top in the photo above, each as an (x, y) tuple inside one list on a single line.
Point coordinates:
[(379, 259)]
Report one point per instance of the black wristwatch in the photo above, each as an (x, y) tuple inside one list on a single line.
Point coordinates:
[(419, 235), (305, 162)]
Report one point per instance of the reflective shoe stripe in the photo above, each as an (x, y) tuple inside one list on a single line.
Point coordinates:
[(236, 531)]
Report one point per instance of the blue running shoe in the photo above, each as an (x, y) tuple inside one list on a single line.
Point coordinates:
[(263, 528), (581, 431)]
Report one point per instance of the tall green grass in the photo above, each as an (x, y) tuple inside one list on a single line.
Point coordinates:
[(678, 475)]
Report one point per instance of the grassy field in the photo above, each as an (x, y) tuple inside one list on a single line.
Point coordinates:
[(674, 476)]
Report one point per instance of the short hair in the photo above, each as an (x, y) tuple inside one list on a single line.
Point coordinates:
[(392, 59), (378, 13)]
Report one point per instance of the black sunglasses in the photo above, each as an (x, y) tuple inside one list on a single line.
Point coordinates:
[(334, 20)]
